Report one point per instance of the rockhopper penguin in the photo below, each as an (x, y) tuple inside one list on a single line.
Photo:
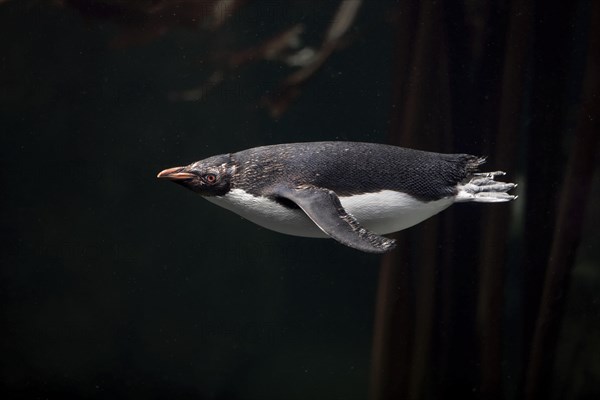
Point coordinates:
[(351, 192)]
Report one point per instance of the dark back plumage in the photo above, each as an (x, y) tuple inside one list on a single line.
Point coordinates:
[(350, 168)]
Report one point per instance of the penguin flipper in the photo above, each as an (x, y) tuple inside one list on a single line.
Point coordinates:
[(323, 207)]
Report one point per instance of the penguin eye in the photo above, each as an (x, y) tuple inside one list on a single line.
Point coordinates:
[(210, 178)]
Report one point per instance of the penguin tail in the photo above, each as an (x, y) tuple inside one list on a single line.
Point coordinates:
[(482, 187)]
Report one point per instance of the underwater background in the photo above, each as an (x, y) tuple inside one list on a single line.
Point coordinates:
[(116, 285)]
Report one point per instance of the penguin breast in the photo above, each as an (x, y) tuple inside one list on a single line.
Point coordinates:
[(382, 212)]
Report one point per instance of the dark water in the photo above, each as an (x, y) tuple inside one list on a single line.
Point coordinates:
[(116, 285)]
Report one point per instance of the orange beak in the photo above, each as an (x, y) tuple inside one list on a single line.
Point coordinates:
[(175, 174)]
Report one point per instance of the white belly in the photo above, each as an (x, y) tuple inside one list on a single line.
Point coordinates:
[(382, 212)]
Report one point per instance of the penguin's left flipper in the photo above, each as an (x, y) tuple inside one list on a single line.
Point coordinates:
[(323, 207)]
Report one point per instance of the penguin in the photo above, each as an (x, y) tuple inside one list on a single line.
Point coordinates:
[(350, 191)]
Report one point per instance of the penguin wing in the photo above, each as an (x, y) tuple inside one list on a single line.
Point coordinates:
[(323, 207)]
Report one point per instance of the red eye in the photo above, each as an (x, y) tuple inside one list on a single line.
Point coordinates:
[(210, 178)]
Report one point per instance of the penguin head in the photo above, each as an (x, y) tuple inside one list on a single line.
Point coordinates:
[(208, 177)]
